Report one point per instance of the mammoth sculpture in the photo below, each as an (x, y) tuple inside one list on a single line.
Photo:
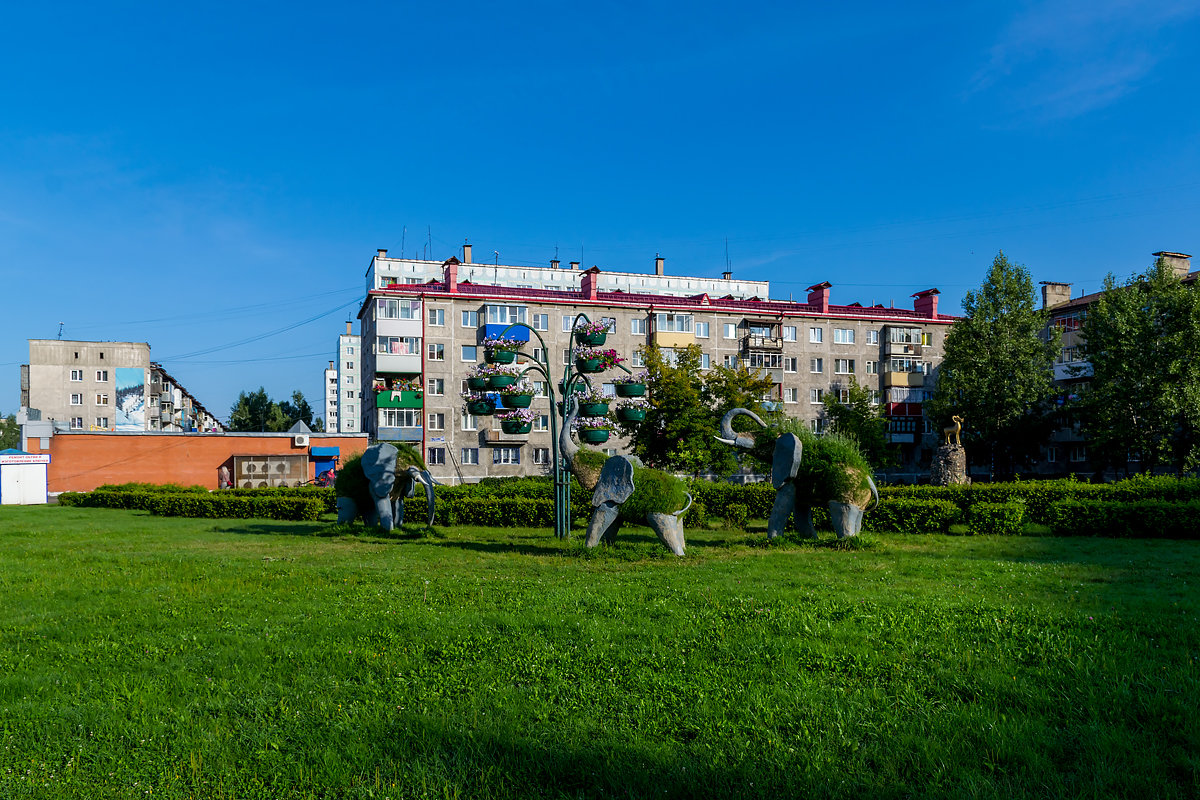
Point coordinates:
[(374, 485), (832, 472), (624, 490)]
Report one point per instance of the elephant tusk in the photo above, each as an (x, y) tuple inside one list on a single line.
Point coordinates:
[(729, 442), (685, 508)]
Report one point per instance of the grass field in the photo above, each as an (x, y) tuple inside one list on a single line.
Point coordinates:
[(166, 657)]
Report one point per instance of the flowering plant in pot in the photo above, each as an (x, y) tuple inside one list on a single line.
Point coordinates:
[(479, 404), (477, 377), (517, 421), (593, 403), (633, 410), (591, 334), (517, 395), (593, 359), (593, 430), (499, 350), (631, 385), (502, 375)]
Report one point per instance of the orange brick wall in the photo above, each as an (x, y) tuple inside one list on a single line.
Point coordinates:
[(80, 462)]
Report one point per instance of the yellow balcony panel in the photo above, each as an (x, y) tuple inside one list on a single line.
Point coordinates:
[(672, 338), (904, 379)]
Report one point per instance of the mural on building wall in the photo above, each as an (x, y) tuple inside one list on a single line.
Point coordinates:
[(131, 399)]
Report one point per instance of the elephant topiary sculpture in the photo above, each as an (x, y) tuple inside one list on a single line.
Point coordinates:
[(375, 484)]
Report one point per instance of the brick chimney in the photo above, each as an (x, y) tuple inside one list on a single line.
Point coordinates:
[(554, 263), (331, 365), (381, 253), (926, 303), (1180, 262), (818, 295), (349, 330), (727, 276), (450, 274), (574, 265), (466, 254), (658, 265), (1055, 294), (590, 283)]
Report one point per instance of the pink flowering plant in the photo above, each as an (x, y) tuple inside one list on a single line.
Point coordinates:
[(594, 394), (593, 424), (635, 403), (591, 328), (607, 358), (504, 369), (501, 343), (633, 377), (521, 415), (520, 387)]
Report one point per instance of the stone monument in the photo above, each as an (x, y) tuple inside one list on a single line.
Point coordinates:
[(949, 465)]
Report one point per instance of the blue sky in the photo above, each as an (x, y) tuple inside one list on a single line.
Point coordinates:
[(198, 177)]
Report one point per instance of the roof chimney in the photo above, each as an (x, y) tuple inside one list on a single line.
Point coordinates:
[(818, 295), (926, 303), (466, 254), (554, 263), (349, 330), (727, 276), (331, 365), (1180, 262), (590, 283), (574, 265), (658, 265), (381, 253), (450, 275), (1054, 294)]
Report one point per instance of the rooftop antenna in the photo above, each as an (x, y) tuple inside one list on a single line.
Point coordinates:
[(727, 267), (496, 268), (60, 327), (403, 233)]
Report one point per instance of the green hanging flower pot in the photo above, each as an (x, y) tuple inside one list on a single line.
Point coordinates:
[(630, 389)]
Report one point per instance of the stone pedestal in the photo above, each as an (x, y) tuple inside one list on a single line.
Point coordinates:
[(949, 466)]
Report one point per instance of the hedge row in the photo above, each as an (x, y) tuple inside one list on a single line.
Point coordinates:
[(1147, 519), (209, 505)]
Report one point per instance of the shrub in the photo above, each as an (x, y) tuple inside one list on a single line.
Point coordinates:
[(736, 515), (1138, 520), (695, 516), (912, 516), (1002, 519)]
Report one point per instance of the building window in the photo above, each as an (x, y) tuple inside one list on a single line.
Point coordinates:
[(816, 395), (470, 422), (505, 315), (350, 364), (350, 394), (567, 356), (541, 422), (539, 354), (470, 319), (636, 359), (435, 456), (730, 330), (637, 326), (395, 345), (101, 399), (102, 375), (77, 399), (397, 309), (77, 423), (705, 361), (470, 352), (816, 334), (904, 335), (790, 364), (843, 366), (789, 333), (871, 367), (349, 349), (612, 323), (539, 389), (437, 352), (399, 418), (541, 322), (843, 395), (731, 361), (436, 386), (1078, 452), (76, 374), (506, 455), (817, 425), (791, 395), (701, 330), (101, 422), (541, 455), (437, 422), (568, 321), (843, 336), (673, 323), (470, 455), (927, 339), (1052, 454), (816, 366), (437, 316)]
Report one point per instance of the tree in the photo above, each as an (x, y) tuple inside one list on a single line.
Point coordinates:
[(861, 420), (1143, 341), (10, 433), (997, 372), (298, 410), (256, 411)]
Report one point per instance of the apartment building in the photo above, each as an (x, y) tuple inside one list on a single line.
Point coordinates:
[(106, 386), (1067, 450), (349, 390), (331, 397), (421, 339)]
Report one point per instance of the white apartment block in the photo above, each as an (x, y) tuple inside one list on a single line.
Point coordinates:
[(420, 340), (349, 400), (331, 398)]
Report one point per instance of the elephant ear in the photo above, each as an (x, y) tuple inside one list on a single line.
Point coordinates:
[(379, 465), (616, 482), (786, 463)]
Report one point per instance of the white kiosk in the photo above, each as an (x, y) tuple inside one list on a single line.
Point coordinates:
[(23, 478)]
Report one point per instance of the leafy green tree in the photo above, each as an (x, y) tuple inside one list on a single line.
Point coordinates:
[(297, 410), (1143, 342), (859, 419), (251, 412), (10, 433), (997, 372)]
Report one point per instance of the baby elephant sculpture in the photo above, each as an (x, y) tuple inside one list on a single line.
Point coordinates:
[(624, 490), (846, 487), (375, 485)]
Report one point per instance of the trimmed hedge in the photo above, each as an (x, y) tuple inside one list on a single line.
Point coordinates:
[(1002, 519), (213, 505), (904, 515), (1147, 519)]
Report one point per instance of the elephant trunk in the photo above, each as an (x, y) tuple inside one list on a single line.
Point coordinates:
[(425, 479), (728, 436)]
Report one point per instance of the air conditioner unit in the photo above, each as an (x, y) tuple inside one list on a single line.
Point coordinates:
[(300, 440)]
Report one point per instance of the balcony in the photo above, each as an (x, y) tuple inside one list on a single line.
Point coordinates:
[(1072, 370), (901, 349), (672, 338), (495, 437), (400, 434), (756, 341), (403, 363), (494, 329), (398, 327), (903, 379), (393, 399)]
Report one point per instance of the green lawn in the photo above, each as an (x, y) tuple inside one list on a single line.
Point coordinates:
[(165, 657)]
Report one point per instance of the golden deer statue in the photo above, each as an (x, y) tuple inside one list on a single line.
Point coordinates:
[(954, 430)]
